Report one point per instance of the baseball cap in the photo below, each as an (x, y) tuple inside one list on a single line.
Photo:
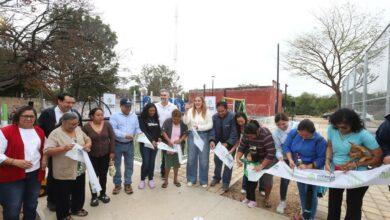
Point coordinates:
[(125, 102)]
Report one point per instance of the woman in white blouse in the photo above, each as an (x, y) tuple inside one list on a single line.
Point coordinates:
[(198, 119), (22, 165)]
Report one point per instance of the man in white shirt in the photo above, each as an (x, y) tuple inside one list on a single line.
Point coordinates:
[(164, 110)]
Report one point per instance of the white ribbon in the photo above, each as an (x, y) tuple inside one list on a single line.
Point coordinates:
[(223, 154), (198, 140), (77, 153), (163, 146), (143, 139), (337, 179)]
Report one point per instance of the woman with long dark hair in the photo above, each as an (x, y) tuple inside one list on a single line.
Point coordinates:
[(102, 150), (347, 128), (150, 126)]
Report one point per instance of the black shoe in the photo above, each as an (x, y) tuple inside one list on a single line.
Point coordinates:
[(94, 202), (104, 198), (51, 206), (214, 182), (225, 187)]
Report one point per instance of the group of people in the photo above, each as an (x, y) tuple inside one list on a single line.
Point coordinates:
[(31, 144)]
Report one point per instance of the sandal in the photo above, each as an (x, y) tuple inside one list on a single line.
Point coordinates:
[(94, 202), (164, 185), (297, 216), (80, 213), (177, 184), (104, 198), (267, 203)]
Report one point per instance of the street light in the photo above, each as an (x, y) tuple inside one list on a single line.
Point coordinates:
[(212, 85)]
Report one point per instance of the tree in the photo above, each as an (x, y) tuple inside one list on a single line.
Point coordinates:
[(88, 60), (155, 78), (27, 31), (60, 47), (310, 104), (334, 47)]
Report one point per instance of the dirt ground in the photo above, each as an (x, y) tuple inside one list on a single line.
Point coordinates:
[(292, 201)]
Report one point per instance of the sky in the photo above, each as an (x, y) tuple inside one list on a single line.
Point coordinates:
[(233, 40)]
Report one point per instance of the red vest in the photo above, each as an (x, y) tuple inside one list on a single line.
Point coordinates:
[(15, 150)]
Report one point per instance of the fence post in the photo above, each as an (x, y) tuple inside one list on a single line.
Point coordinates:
[(354, 88), (365, 73), (347, 91), (388, 81)]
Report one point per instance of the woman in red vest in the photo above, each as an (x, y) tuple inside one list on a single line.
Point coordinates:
[(22, 165)]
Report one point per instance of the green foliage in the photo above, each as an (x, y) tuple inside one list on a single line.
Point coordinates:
[(310, 104), (155, 78)]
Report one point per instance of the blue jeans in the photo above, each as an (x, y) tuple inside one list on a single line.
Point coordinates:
[(227, 173), (195, 156), (302, 188), (23, 192), (127, 151), (148, 161)]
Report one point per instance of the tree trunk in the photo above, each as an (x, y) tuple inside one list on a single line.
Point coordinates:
[(338, 96)]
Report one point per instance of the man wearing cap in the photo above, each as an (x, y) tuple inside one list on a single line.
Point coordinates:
[(164, 110), (126, 126)]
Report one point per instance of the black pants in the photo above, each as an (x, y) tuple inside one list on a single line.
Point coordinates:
[(100, 165), (70, 196), (354, 203), (251, 190), (148, 161), (50, 189)]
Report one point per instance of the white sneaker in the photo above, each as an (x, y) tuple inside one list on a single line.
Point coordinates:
[(262, 193), (190, 184), (204, 185), (281, 207), (243, 191)]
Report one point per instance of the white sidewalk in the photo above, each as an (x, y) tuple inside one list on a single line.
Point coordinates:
[(171, 203)]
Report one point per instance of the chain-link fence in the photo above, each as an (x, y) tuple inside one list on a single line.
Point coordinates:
[(367, 88)]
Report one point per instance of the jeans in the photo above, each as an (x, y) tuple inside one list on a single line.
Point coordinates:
[(196, 156), (148, 161), (303, 195), (100, 165), (227, 173), (127, 151), (22, 192), (354, 203), (70, 196), (283, 187)]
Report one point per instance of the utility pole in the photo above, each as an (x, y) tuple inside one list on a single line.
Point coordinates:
[(277, 82), (212, 85)]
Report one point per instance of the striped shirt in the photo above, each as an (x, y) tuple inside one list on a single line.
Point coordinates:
[(264, 144)]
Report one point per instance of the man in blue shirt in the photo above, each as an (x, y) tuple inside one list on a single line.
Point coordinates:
[(225, 131), (126, 126)]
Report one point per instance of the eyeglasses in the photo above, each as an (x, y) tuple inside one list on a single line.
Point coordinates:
[(29, 117)]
